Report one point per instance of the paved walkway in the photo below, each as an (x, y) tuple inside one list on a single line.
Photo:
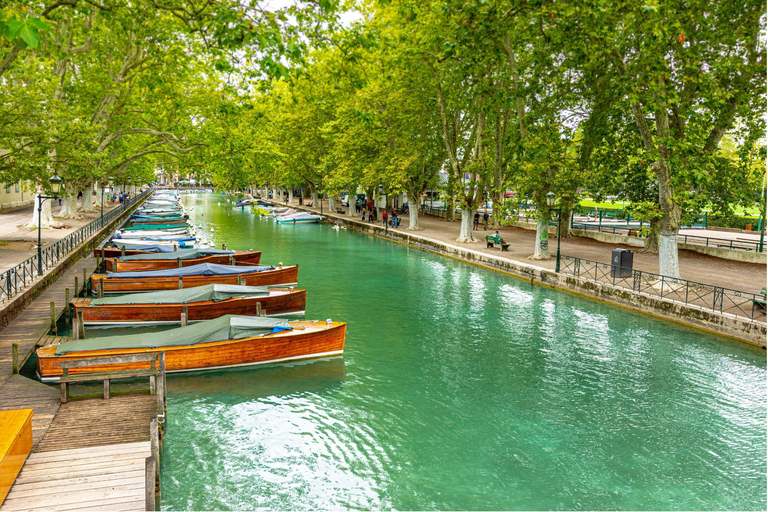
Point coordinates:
[(17, 243), (694, 266)]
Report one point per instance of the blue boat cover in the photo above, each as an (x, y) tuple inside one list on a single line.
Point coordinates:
[(203, 269), (181, 254)]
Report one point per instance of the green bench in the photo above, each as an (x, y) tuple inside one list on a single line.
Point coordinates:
[(493, 240)]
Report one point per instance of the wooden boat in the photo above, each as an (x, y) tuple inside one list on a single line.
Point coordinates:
[(226, 342), (15, 445), (159, 261), (203, 303), (189, 277), (163, 220)]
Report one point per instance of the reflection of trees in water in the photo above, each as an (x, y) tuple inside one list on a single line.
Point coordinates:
[(260, 381)]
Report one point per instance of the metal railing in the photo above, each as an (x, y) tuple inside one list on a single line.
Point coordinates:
[(707, 296), (14, 280)]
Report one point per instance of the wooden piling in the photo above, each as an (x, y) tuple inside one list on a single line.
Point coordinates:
[(240, 280), (15, 358), (161, 384), (149, 483), (53, 318), (66, 306), (100, 288), (85, 282), (106, 389), (184, 316), (80, 326), (178, 261), (122, 251), (181, 282), (258, 309), (231, 259)]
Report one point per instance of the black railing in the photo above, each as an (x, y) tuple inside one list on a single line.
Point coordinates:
[(14, 280), (711, 297)]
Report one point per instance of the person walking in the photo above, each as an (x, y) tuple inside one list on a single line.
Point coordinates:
[(485, 220), (477, 221), (384, 218)]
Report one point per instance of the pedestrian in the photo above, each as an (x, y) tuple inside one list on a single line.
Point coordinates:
[(223, 247), (395, 221), (485, 221), (477, 221), (384, 217), (363, 219)]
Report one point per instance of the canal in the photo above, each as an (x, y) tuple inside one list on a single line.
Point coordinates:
[(462, 388)]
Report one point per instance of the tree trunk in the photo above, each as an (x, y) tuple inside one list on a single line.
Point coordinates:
[(290, 196), (332, 204), (652, 242), (565, 223), (669, 264), (413, 211), (541, 249), (465, 235), (315, 202), (97, 197), (47, 220), (69, 206), (87, 203)]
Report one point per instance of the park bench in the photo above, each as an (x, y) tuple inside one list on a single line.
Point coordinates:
[(339, 210), (491, 240), (155, 370), (760, 304)]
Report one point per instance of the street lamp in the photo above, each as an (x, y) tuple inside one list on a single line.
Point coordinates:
[(103, 186), (56, 182), (559, 210)]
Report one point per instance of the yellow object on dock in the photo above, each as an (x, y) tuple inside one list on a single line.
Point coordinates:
[(15, 445)]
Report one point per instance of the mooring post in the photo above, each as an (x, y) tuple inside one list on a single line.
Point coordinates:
[(149, 483), (258, 309), (184, 317), (161, 384), (100, 288), (66, 306), (77, 290), (239, 279), (85, 282), (174, 247), (178, 262), (122, 251), (231, 259), (53, 317), (154, 439), (80, 326), (181, 282), (15, 357)]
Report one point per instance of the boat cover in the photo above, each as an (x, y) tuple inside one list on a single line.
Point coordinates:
[(153, 227), (153, 248), (182, 254), (227, 327), (203, 269), (209, 292)]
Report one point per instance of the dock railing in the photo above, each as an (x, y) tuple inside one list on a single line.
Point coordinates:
[(16, 279), (710, 297)]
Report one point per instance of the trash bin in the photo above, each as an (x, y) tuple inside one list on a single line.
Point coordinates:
[(621, 263)]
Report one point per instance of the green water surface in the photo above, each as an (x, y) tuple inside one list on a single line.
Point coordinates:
[(462, 388)]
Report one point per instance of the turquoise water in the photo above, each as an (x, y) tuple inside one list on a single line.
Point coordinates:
[(462, 388)]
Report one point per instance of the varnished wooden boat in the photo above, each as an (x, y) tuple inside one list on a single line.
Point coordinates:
[(277, 276), (240, 258), (280, 301), (306, 340), (161, 220)]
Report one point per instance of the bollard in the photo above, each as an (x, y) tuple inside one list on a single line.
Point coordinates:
[(15, 358), (53, 318), (80, 326), (66, 306)]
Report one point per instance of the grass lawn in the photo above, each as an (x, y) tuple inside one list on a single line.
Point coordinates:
[(589, 203)]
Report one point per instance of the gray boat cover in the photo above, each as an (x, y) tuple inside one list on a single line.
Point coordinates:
[(154, 248), (203, 269), (182, 254), (209, 292), (227, 327)]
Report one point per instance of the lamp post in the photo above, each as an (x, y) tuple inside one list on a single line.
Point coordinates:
[(56, 182), (559, 210), (103, 186)]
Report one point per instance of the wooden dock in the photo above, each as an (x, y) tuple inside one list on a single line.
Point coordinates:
[(88, 453)]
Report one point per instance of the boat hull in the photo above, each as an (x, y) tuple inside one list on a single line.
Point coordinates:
[(318, 340), (277, 276), (137, 222), (244, 258), (279, 302)]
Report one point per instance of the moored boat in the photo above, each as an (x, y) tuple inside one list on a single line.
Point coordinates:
[(225, 342), (202, 303), (182, 257), (299, 218), (195, 275)]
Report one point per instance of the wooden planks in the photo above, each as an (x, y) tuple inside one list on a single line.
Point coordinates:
[(15, 445), (95, 478), (20, 392), (34, 322), (96, 422)]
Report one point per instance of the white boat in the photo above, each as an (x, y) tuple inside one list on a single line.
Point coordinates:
[(299, 218), (182, 233), (122, 242)]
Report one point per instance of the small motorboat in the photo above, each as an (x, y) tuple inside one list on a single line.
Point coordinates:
[(202, 303), (299, 218), (225, 342), (195, 275)]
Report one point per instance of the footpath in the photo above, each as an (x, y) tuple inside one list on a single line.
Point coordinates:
[(716, 295)]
